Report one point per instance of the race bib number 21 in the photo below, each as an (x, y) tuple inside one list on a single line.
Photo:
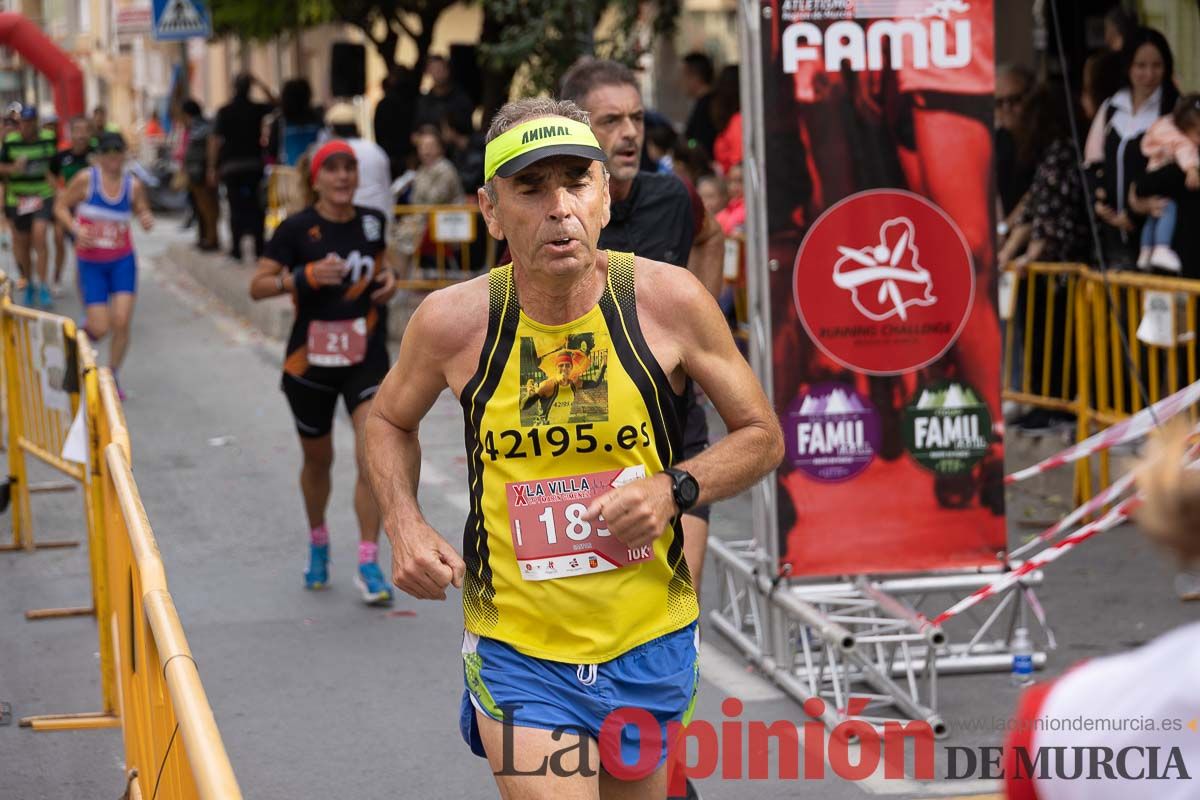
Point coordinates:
[(337, 343), (550, 536)]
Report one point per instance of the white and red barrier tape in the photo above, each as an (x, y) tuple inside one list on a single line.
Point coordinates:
[(1095, 504), (1110, 520), (1127, 430), (1118, 514)]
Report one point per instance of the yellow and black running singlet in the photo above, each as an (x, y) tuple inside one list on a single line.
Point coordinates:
[(556, 415)]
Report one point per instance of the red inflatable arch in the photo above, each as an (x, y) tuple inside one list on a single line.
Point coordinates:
[(17, 32)]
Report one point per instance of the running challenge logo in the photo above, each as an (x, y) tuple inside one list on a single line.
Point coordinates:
[(888, 274), (883, 282), (920, 34)]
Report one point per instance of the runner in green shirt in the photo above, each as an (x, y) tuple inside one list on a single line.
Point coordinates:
[(25, 158)]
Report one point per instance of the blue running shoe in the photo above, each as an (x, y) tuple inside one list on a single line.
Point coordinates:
[(28, 295), (45, 301), (369, 580), (317, 574)]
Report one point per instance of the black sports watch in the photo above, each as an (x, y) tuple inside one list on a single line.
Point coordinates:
[(684, 488)]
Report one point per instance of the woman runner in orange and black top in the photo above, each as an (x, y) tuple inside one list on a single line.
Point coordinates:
[(330, 258)]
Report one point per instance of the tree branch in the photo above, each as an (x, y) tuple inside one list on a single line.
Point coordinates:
[(396, 20)]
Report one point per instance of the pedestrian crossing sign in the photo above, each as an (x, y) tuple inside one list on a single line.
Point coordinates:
[(177, 20)]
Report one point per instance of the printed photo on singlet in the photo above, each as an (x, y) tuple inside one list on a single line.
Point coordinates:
[(564, 378)]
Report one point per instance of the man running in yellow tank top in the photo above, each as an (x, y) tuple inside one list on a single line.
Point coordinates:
[(569, 364)]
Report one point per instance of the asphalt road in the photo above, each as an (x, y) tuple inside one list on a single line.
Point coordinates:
[(319, 696)]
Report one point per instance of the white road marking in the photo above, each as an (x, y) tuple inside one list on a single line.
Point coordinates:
[(731, 677)]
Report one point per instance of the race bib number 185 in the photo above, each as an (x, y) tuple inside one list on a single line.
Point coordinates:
[(550, 536)]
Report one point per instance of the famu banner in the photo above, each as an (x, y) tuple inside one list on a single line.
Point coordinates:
[(885, 335)]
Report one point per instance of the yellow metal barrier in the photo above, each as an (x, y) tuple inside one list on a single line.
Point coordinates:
[(1162, 348), (39, 362), (1040, 313), (150, 686), (1041, 361), (452, 231), (284, 196), (1063, 346), (172, 746)]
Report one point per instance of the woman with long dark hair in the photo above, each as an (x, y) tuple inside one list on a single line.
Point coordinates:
[(1113, 147), (1052, 222)]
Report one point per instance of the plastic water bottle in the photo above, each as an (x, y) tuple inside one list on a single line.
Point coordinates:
[(1022, 658)]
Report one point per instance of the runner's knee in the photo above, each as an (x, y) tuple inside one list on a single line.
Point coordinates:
[(318, 455), (97, 325)]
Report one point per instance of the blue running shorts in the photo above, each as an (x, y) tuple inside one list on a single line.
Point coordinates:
[(101, 279), (660, 677)]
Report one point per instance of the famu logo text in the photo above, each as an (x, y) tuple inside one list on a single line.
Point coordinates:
[(544, 132), (948, 428), (834, 433), (911, 43)]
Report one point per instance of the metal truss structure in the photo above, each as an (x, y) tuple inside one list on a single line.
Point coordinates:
[(862, 646)]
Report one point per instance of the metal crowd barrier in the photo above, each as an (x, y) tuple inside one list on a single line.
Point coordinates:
[(173, 748), (42, 397), (450, 249), (1068, 327), (149, 683), (455, 245), (1156, 316), (283, 196)]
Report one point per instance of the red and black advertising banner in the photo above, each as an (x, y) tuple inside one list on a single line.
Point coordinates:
[(885, 338)]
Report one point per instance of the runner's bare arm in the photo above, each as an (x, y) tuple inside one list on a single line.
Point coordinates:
[(9, 167), (706, 260), (754, 443), (70, 197), (423, 562), (689, 336), (141, 205), (406, 395), (271, 279)]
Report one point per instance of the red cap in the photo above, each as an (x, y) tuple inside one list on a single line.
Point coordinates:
[(335, 147), (565, 358)]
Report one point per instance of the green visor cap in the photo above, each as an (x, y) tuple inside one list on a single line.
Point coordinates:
[(531, 141)]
